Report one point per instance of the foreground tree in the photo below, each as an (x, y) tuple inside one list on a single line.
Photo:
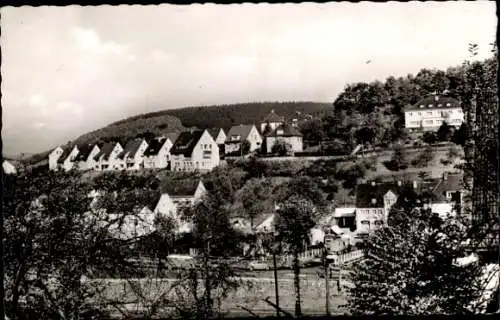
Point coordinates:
[(294, 222), (214, 236), (411, 266)]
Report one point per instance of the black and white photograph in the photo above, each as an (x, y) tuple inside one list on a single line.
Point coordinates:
[(250, 160)]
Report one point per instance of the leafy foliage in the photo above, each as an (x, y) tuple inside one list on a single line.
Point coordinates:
[(281, 147), (410, 267)]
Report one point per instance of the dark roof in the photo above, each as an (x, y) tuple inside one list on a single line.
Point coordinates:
[(452, 182), (214, 132), (172, 136), (243, 130), (433, 102), (186, 142), (84, 151), (273, 117), (105, 151), (288, 131), (366, 192), (155, 146), (65, 154), (181, 188), (130, 149)]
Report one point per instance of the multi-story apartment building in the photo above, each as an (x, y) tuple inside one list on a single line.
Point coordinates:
[(430, 113)]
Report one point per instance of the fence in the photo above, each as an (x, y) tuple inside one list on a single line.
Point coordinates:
[(339, 259)]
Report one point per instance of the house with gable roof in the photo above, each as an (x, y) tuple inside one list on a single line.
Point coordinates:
[(287, 134), (67, 159), (373, 203), (448, 194), (54, 156), (238, 134), (8, 167), (430, 112), (272, 120), (194, 151), (178, 195), (157, 154), (300, 117), (132, 155), (218, 134), (85, 157), (107, 157)]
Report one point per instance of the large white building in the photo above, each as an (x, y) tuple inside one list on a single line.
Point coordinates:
[(429, 113), (194, 151)]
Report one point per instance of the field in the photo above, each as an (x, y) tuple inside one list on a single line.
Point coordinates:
[(250, 295)]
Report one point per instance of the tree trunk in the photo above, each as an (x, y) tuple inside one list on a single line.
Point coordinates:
[(296, 273)]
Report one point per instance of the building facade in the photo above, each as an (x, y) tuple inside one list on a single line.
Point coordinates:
[(430, 113), (194, 151), (288, 135)]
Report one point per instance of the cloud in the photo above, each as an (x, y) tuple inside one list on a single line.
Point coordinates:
[(88, 40)]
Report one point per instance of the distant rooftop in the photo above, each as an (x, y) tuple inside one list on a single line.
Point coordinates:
[(432, 102)]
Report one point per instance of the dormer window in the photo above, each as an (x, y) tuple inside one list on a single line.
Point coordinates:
[(280, 132), (374, 201), (440, 105), (421, 106), (448, 104), (431, 105)]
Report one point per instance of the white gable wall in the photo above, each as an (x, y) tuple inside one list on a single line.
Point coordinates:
[(221, 137), (53, 157), (89, 163), (255, 139), (138, 161), (69, 163), (205, 155)]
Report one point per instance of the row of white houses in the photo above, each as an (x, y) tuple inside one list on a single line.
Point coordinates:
[(185, 151)]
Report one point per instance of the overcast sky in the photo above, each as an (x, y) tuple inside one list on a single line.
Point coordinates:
[(68, 70)]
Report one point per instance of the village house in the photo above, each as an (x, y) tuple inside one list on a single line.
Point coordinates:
[(107, 158), (448, 194), (157, 154), (194, 150), (85, 158), (287, 134), (67, 160), (237, 135), (54, 158), (176, 196), (219, 135), (271, 122), (299, 117), (429, 113), (8, 167), (373, 202), (132, 155)]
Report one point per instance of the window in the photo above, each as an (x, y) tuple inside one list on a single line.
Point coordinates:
[(410, 114), (429, 113), (379, 223), (420, 113), (365, 222)]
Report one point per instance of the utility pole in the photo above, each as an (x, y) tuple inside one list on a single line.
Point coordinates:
[(327, 280), (276, 291)]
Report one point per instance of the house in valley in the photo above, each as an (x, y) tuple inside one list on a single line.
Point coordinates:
[(430, 113), (373, 203), (300, 117), (194, 151), (85, 157), (132, 156), (54, 158), (448, 194), (8, 167), (271, 122), (265, 223), (237, 135), (218, 134), (67, 160), (176, 196), (286, 134), (157, 154), (107, 157)]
